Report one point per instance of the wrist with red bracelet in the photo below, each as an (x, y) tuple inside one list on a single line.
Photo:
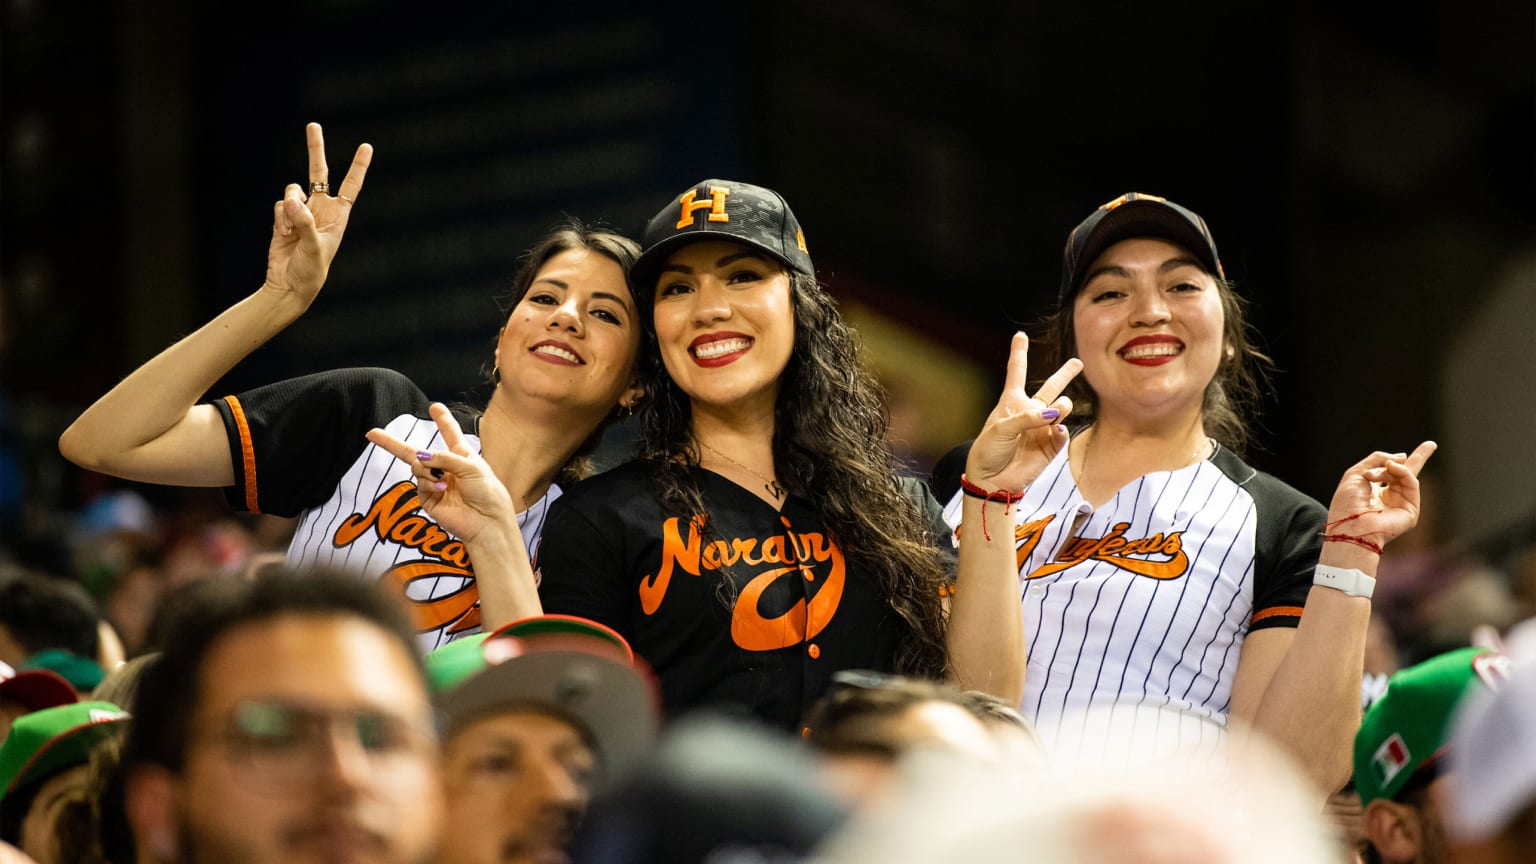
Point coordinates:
[(1003, 496)]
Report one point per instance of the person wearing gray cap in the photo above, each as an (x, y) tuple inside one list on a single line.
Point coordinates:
[(535, 718), (764, 537)]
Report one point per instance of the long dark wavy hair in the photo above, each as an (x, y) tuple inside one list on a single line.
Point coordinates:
[(571, 233), (830, 424), (1231, 399)]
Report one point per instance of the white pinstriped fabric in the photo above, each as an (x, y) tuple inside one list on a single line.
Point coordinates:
[(1134, 644)]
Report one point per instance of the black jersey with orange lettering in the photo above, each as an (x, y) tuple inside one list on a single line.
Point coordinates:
[(299, 449), (754, 613)]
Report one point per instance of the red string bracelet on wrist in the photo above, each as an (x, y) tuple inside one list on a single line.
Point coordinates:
[(1345, 538), (1003, 495), (1339, 522)]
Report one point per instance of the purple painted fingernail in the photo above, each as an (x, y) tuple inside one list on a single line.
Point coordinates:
[(1062, 429), (440, 485), (423, 455), (1049, 414)]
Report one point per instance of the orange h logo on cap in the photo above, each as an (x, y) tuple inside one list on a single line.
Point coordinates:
[(1139, 196), (715, 205)]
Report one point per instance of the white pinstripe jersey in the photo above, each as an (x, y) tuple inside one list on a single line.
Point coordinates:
[(298, 450), (1135, 624)]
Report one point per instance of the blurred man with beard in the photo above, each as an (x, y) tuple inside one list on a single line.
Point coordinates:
[(287, 720), (536, 717)]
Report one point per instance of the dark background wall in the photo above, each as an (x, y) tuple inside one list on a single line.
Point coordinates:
[(1367, 170)]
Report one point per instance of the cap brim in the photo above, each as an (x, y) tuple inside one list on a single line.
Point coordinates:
[(37, 689), (64, 750), (1143, 218), (646, 269), (613, 702)]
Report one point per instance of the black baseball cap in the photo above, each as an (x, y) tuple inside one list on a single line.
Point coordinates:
[(720, 210), (1134, 214)]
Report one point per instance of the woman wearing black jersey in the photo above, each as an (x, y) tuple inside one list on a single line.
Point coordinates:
[(763, 539)]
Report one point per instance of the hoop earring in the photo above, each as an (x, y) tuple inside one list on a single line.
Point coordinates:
[(495, 374)]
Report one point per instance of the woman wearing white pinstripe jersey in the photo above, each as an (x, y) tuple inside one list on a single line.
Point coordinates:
[(1163, 580)]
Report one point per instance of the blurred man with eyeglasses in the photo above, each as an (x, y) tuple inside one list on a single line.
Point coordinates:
[(288, 719), (1400, 754)]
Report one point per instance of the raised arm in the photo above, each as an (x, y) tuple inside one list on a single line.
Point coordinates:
[(985, 637), (1301, 687), (149, 428)]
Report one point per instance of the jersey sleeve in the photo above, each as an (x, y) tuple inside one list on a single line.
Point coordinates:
[(292, 441), (578, 568), (1289, 539)]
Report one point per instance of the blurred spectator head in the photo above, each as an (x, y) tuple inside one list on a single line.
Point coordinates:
[(1253, 807), (535, 716), (42, 767), (30, 690), (1399, 754), (717, 788), (1490, 812), (286, 719), (867, 721), (39, 612)]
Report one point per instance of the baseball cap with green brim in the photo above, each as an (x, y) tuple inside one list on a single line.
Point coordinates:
[(47, 741), (719, 210), (1134, 214), (1405, 729), (570, 667)]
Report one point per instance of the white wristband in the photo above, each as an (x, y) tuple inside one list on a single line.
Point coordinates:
[(1352, 582)]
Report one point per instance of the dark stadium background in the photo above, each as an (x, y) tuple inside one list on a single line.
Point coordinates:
[(1367, 169)]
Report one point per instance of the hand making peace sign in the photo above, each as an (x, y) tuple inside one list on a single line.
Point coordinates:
[(1021, 435), (308, 223)]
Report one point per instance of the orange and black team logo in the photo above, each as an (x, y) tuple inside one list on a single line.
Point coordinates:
[(394, 518), (1159, 556), (809, 556), (715, 204)]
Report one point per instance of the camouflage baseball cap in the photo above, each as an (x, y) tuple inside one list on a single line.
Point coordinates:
[(1405, 729), (719, 210)]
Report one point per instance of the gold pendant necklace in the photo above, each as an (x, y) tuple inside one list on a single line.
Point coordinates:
[(770, 485)]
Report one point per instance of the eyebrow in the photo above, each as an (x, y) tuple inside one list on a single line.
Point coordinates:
[(1165, 267), (725, 261), (596, 295)]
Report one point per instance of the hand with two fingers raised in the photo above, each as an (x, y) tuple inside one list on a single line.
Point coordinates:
[(1022, 433), (456, 486), (307, 228)]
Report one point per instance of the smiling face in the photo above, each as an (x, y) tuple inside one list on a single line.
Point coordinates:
[(573, 337), (1149, 325), (725, 325)]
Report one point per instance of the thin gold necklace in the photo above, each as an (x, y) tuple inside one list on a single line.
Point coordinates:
[(1082, 470), (770, 485)]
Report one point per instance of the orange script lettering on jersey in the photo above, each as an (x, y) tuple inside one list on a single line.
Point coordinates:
[(1114, 549), (393, 517), (749, 628)]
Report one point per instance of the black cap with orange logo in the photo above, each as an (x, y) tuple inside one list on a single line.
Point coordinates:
[(720, 210), (1134, 214)]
